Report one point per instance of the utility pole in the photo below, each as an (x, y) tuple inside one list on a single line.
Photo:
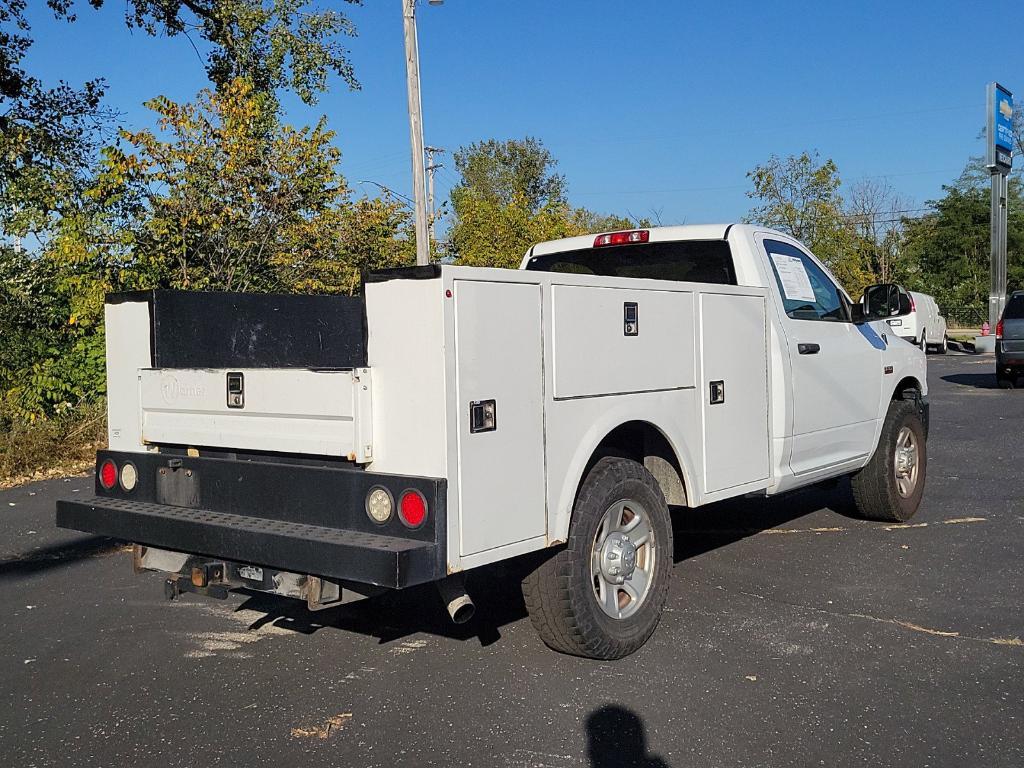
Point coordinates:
[(412, 72), (431, 167)]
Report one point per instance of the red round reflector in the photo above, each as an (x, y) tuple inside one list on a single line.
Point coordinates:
[(108, 474), (412, 509)]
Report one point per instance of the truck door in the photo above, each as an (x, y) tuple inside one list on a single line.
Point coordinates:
[(836, 366)]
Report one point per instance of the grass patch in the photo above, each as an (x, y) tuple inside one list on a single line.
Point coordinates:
[(65, 444)]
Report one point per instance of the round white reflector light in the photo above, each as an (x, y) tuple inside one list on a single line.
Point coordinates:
[(129, 476), (379, 505)]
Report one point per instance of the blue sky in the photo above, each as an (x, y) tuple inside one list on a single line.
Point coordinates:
[(649, 106)]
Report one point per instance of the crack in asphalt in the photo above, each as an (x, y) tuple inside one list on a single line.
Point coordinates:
[(1001, 641)]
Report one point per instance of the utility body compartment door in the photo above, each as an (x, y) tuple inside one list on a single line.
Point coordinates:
[(734, 371), (600, 350), (500, 395)]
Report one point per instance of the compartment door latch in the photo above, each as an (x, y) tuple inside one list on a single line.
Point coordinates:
[(483, 416), (630, 319), (717, 392), (236, 390)]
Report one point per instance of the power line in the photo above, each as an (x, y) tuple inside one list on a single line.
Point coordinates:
[(885, 213), (746, 186), (774, 127)]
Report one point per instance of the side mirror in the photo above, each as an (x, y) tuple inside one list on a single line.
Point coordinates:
[(879, 302)]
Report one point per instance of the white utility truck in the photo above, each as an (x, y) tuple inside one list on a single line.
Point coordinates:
[(326, 447)]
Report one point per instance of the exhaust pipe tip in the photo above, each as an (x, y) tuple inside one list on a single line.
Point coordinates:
[(458, 603), (461, 609)]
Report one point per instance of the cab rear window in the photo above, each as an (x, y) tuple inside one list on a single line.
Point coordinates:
[(695, 261)]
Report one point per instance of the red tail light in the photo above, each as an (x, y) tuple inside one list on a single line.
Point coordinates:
[(622, 238), (999, 329), (108, 474), (412, 509), (913, 306)]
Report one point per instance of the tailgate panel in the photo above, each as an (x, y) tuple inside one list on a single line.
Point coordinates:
[(287, 410)]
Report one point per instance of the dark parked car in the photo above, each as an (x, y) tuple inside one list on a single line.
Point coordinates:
[(1010, 342)]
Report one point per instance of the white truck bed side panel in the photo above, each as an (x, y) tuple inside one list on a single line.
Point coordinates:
[(733, 351), (289, 410), (592, 355), (498, 347), (128, 350), (406, 353)]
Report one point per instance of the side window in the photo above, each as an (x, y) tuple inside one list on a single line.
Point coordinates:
[(807, 292)]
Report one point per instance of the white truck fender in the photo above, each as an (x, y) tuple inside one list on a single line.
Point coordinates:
[(627, 411)]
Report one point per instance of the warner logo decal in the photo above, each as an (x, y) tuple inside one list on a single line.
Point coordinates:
[(173, 390)]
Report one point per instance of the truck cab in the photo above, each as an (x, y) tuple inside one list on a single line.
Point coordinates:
[(452, 417)]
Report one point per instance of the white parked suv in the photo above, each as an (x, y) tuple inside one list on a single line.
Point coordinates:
[(915, 316)]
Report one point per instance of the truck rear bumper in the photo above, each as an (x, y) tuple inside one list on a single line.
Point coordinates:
[(301, 519)]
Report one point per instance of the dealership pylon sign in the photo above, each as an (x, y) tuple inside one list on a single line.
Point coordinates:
[(999, 154)]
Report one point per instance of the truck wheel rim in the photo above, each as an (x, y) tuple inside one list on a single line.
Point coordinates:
[(907, 462), (623, 559)]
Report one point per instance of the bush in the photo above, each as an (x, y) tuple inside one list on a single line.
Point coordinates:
[(30, 448)]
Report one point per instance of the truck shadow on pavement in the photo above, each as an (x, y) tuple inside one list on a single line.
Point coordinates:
[(57, 556), (495, 589), (706, 528), (979, 380)]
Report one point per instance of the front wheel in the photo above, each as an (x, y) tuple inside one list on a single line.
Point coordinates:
[(890, 487), (603, 594)]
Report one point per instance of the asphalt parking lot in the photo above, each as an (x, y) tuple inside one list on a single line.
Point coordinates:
[(795, 635)]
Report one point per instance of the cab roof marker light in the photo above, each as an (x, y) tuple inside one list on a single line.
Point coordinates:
[(623, 238)]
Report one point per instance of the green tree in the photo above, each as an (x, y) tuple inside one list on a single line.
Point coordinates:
[(225, 197), (799, 195), (519, 171), (510, 197), (48, 364), (274, 44), (48, 133), (947, 251), (875, 215)]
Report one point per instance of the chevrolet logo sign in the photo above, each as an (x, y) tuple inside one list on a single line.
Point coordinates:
[(1005, 108)]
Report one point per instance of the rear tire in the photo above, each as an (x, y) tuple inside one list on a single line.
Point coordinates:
[(1006, 382), (944, 347), (581, 601), (890, 487)]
